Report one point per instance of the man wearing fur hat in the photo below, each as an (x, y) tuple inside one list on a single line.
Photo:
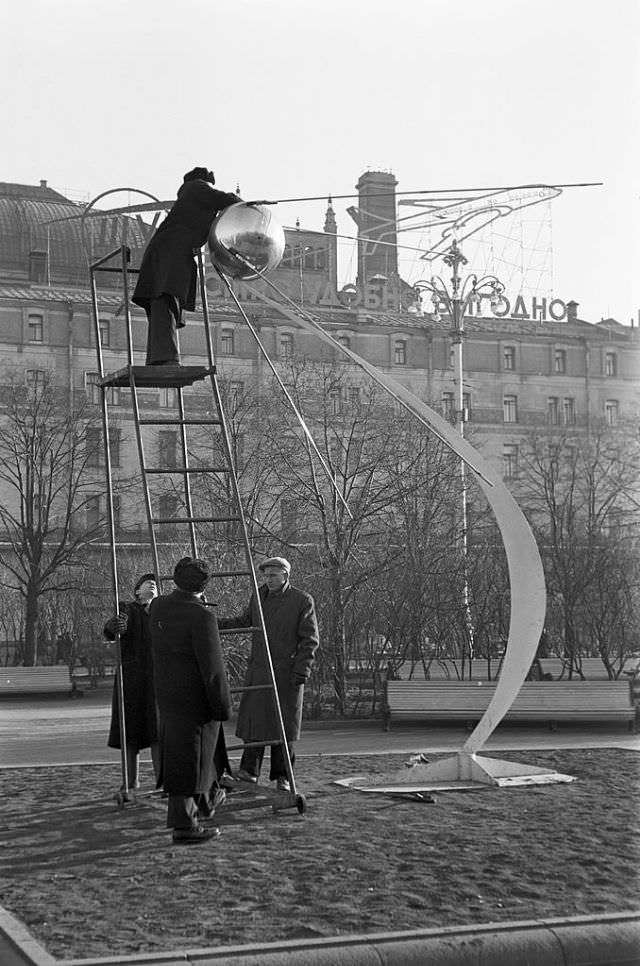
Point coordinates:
[(167, 280), (292, 631), (140, 718), (193, 697)]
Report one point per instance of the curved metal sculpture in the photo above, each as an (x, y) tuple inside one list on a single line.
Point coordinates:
[(243, 235), (526, 575)]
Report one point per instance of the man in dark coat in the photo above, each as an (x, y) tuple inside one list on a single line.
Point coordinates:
[(292, 632), (193, 696), (167, 280), (140, 718)]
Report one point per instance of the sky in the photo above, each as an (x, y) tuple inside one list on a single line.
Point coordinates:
[(290, 99)]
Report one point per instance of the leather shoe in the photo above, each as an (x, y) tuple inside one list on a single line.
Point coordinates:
[(283, 785), (246, 776), (191, 836)]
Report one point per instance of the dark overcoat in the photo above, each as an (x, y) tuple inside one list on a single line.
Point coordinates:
[(140, 714), (192, 690), (168, 265), (292, 631)]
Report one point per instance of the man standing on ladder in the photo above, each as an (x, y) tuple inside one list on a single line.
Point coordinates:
[(292, 632), (168, 277)]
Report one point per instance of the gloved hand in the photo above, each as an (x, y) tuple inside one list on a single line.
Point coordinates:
[(117, 625), (299, 678)]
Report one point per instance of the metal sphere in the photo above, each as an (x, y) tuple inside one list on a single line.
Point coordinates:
[(250, 231)]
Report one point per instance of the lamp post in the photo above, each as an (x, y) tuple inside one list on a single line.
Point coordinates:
[(461, 295)]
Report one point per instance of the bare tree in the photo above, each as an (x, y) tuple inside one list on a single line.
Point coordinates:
[(46, 449), (577, 491)]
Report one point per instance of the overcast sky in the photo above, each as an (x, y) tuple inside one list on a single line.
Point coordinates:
[(291, 99)]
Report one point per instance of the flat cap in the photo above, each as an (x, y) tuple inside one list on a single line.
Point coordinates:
[(191, 573), (280, 562)]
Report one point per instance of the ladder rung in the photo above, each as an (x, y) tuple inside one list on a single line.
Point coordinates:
[(238, 630), (185, 471), (252, 687), (162, 520), (231, 573), (255, 744), (180, 422)]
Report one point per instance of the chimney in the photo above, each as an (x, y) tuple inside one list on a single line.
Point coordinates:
[(376, 218), (43, 182), (572, 311)]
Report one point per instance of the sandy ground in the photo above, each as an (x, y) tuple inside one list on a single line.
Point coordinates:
[(88, 879)]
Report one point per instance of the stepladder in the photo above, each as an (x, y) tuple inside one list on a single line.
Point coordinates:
[(182, 481)]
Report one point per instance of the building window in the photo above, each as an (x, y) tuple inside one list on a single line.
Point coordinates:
[(510, 461), (167, 506), (553, 410), (236, 392), (569, 411), (610, 364), (289, 518), (35, 328), (448, 405), (93, 512), (509, 358), (34, 378), (93, 390), (510, 409), (354, 397), (335, 402), (560, 361), (115, 445), (400, 352), (237, 450), (611, 412), (37, 266), (227, 342), (167, 397), (344, 340), (466, 406), (286, 347), (104, 327), (167, 448)]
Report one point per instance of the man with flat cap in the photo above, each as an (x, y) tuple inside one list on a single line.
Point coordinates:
[(140, 718), (193, 697), (292, 631), (167, 281)]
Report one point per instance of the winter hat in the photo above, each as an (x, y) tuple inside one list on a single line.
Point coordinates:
[(191, 574), (280, 562), (200, 174), (142, 579)]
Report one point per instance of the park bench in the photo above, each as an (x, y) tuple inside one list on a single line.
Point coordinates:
[(549, 701), (36, 680)]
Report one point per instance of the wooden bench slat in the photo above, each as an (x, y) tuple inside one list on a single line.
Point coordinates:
[(546, 700), (35, 680)]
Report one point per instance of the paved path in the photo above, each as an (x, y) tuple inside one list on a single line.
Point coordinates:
[(58, 731)]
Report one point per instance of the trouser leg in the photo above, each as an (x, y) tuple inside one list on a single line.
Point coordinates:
[(132, 766), (162, 333), (251, 760), (182, 811), (155, 759), (278, 763)]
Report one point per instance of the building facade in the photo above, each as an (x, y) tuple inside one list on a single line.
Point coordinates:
[(533, 367)]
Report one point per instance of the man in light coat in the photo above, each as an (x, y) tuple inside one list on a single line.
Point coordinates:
[(292, 631), (193, 697)]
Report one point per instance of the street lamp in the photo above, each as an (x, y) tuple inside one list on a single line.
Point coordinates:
[(457, 299)]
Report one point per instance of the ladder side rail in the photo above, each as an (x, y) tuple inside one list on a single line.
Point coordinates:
[(204, 299), (145, 485), (188, 501), (125, 255), (254, 584), (104, 410), (243, 525)]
